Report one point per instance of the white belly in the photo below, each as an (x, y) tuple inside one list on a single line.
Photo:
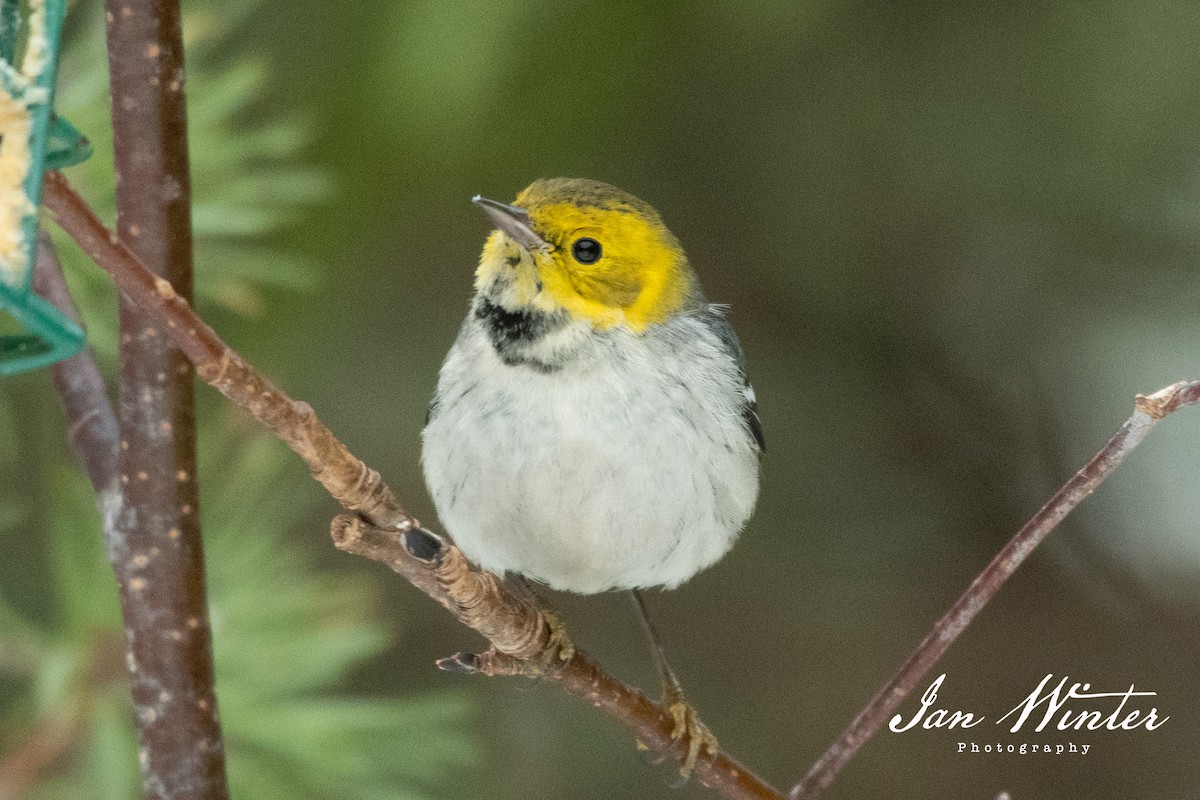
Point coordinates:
[(615, 476)]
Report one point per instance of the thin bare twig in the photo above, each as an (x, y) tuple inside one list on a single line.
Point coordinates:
[(158, 553), (523, 639), (1149, 409)]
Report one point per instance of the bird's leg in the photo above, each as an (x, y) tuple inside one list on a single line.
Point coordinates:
[(688, 727)]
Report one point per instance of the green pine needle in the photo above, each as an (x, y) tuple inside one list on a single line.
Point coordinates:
[(250, 180), (285, 636)]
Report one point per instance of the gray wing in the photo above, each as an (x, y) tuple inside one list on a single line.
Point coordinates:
[(713, 317)]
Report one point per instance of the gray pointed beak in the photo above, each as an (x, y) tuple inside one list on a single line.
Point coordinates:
[(514, 221)]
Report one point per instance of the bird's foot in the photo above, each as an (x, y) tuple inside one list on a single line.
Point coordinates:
[(689, 730), (559, 647)]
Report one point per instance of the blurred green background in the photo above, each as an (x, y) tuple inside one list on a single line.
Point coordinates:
[(956, 237)]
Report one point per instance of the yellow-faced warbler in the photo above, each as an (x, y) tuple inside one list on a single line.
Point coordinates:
[(593, 428)]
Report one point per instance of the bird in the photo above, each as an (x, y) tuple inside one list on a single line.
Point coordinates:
[(593, 428)]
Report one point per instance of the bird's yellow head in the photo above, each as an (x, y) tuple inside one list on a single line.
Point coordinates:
[(586, 248)]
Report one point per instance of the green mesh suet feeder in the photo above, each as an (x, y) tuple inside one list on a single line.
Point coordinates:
[(32, 140)]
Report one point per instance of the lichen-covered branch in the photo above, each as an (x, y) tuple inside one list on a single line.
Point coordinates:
[(523, 639), (1149, 409)]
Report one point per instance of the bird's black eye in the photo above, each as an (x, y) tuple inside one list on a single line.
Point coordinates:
[(586, 251)]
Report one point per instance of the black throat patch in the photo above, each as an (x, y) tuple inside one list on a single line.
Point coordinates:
[(516, 334)]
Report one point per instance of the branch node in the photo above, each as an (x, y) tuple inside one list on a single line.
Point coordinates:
[(164, 288), (424, 545), (345, 531), (1160, 403), (460, 663), (213, 373), (491, 663)]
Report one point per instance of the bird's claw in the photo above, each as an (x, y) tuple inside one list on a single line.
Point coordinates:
[(559, 647), (690, 730)]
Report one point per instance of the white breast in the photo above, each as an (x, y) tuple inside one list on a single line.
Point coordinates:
[(631, 466)]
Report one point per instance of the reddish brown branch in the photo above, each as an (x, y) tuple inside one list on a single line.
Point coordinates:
[(157, 552), (524, 643), (351, 482), (1149, 410), (524, 640)]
